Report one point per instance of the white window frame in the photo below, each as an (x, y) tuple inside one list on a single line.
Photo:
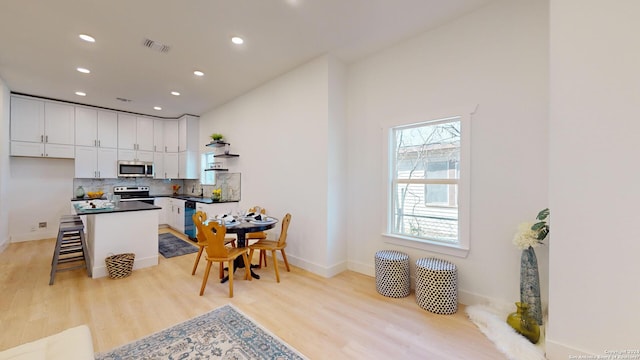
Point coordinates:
[(461, 248)]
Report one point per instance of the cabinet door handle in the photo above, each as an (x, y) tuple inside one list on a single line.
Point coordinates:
[(165, 149), (99, 143), (41, 138), (46, 138), (95, 142)]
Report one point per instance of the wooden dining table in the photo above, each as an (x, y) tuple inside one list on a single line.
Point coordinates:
[(241, 230)]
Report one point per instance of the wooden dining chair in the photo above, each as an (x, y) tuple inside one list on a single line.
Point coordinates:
[(260, 235), (198, 219), (218, 252), (273, 246)]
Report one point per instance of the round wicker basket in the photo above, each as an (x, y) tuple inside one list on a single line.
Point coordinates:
[(120, 265)]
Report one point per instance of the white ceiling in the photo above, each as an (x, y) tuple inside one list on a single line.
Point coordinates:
[(40, 49)]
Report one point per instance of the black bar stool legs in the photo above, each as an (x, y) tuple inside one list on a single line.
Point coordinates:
[(71, 247)]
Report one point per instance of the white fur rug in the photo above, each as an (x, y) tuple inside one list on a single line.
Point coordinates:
[(493, 324)]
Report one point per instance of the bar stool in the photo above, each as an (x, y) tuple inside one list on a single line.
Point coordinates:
[(71, 247)]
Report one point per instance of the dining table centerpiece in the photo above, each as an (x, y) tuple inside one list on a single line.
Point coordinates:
[(529, 236)]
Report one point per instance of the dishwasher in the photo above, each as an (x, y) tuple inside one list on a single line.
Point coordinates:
[(189, 227)]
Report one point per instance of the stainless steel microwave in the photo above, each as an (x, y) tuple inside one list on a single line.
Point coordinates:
[(135, 169)]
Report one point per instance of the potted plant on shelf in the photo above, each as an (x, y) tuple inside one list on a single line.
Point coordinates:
[(217, 138)]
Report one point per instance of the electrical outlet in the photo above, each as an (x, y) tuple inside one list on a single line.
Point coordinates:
[(42, 224)]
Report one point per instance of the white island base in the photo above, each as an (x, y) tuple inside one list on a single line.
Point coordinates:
[(122, 232)]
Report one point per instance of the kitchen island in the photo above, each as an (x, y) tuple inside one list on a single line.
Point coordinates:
[(129, 227)]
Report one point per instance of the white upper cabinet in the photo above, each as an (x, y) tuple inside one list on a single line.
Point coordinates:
[(107, 129), (27, 120), (41, 128), (93, 162), (171, 167), (97, 128), (126, 132), (40, 121), (59, 123), (188, 130), (171, 136), (158, 135), (144, 133), (86, 126), (135, 132), (158, 165)]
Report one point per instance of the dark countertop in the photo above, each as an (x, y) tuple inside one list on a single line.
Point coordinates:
[(124, 206), (200, 199)]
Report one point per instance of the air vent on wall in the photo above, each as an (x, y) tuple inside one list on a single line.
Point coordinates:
[(154, 45)]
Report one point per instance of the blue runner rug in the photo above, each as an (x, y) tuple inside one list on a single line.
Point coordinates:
[(170, 246)]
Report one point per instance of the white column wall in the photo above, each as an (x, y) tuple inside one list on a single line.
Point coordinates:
[(495, 58), (594, 178), (281, 132), (5, 172)]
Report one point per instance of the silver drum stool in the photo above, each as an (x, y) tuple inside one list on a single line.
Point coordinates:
[(437, 285), (392, 273)]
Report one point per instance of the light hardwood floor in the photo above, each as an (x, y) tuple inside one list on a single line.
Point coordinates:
[(338, 318)]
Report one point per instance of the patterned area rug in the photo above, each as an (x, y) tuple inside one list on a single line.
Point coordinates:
[(170, 246), (224, 333)]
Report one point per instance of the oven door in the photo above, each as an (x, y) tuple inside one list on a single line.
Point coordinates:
[(144, 200), (132, 169)]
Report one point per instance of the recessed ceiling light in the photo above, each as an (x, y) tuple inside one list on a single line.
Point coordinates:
[(80, 93), (237, 40), (175, 93), (83, 70), (87, 38), (157, 108), (198, 73)]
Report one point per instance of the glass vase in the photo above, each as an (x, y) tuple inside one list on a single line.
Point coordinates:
[(523, 323), (80, 192), (530, 284)]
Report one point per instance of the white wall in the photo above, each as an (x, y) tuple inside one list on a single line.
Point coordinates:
[(40, 190), (495, 58), (4, 166), (594, 178), (281, 131)]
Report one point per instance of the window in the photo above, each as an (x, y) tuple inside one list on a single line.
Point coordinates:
[(426, 178)]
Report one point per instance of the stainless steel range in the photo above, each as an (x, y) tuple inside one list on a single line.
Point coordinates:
[(133, 193)]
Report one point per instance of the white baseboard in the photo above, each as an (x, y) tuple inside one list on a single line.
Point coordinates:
[(99, 271), (558, 351), (323, 271), (35, 235)]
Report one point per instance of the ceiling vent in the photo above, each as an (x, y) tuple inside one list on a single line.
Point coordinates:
[(154, 45), (123, 99)]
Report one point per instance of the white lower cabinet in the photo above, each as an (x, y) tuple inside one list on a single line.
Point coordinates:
[(162, 214), (175, 218)]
